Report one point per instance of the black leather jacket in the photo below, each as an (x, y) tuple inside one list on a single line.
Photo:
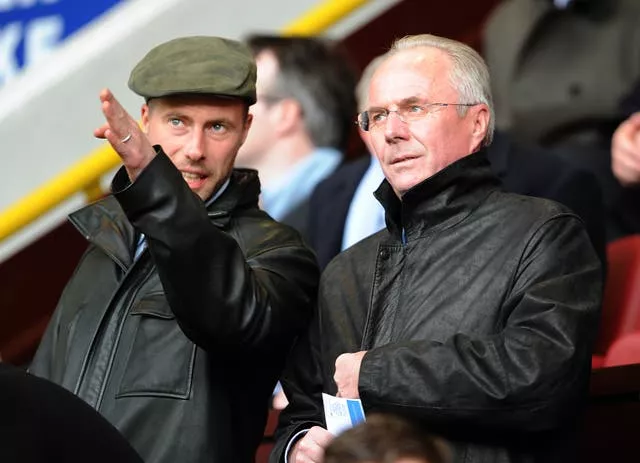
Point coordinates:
[(182, 348), (477, 309)]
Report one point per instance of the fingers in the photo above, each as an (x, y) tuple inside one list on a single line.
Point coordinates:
[(119, 123), (100, 131), (110, 101), (338, 378), (625, 151), (310, 449), (627, 129), (124, 135), (634, 120), (626, 170)]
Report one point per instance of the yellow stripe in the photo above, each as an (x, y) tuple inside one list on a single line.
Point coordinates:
[(75, 179), (85, 174), (320, 18)]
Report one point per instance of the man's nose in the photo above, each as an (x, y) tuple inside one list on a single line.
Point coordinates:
[(195, 147), (395, 127)]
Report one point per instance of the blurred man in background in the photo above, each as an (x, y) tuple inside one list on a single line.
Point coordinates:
[(559, 71), (301, 122)]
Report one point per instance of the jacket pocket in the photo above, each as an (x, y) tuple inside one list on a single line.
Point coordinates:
[(161, 359)]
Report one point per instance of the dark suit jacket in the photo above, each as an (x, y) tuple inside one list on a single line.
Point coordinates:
[(523, 170), (329, 206), (298, 218)]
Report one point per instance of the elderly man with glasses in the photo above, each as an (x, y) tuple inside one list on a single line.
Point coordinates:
[(474, 311)]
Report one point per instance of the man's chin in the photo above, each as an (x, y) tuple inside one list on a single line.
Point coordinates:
[(202, 194)]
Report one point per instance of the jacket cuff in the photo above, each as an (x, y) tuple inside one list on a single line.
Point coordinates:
[(296, 437), (159, 165), (158, 182), (370, 378)]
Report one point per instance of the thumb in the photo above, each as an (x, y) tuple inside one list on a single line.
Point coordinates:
[(634, 120)]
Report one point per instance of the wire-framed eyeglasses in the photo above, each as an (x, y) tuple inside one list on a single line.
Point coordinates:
[(408, 112)]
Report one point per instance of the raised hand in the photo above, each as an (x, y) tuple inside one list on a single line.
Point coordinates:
[(124, 135)]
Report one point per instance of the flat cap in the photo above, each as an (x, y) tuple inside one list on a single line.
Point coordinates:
[(198, 64)]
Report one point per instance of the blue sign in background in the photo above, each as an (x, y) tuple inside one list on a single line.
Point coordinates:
[(29, 29)]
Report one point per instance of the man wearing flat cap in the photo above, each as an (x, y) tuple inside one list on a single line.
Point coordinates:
[(176, 323)]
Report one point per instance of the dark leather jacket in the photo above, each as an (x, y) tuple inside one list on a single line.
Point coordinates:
[(182, 348), (477, 309)]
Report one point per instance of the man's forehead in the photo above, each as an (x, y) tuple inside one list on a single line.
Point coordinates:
[(410, 73), (267, 64), (419, 58)]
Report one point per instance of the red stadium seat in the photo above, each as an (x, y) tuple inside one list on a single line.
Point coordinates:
[(624, 351), (621, 304), (262, 455)]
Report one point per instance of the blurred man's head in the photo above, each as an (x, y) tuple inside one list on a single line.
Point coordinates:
[(197, 91), (429, 106), (305, 96), (387, 439)]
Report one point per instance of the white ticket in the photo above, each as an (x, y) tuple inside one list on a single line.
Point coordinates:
[(341, 414)]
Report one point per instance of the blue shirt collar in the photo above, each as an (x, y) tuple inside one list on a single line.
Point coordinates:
[(297, 185), (218, 193)]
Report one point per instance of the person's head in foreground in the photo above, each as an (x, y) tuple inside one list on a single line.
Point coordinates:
[(387, 439)]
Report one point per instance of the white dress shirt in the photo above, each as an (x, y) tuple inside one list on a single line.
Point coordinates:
[(366, 214)]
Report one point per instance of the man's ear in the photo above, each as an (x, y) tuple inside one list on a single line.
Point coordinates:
[(247, 126), (287, 116), (144, 117), (480, 119)]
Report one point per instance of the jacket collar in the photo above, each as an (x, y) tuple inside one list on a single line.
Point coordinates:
[(105, 224), (441, 201), (242, 193), (498, 154)]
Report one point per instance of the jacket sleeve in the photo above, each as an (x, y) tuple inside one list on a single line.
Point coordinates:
[(528, 376), (302, 384), (220, 297)]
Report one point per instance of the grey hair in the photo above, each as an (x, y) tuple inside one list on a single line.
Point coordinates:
[(318, 74), (469, 74), (362, 89), (319, 116)]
